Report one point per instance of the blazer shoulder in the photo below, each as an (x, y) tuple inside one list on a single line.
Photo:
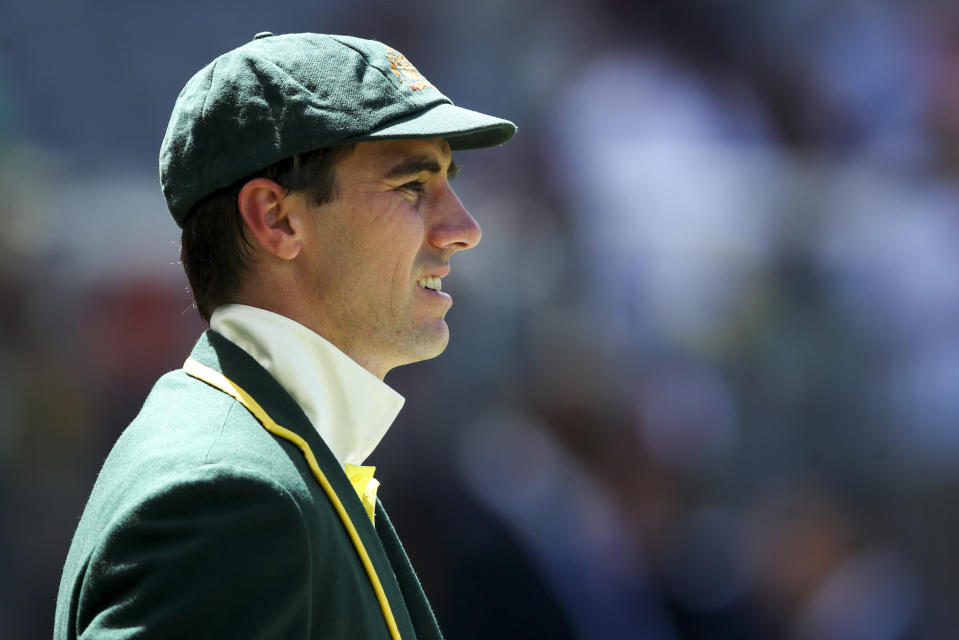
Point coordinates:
[(201, 553)]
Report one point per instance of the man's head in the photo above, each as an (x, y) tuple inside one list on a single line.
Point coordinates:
[(216, 251), (310, 176)]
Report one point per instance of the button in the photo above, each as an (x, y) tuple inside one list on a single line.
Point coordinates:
[(263, 34)]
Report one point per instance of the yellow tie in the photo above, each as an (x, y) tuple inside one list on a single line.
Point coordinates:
[(364, 484)]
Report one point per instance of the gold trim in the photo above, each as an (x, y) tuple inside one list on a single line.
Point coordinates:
[(227, 386)]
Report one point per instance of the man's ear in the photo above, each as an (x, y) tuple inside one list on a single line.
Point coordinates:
[(268, 213)]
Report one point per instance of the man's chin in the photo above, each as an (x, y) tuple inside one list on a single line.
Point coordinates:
[(431, 342)]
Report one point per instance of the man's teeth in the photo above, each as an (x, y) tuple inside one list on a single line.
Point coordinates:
[(431, 282)]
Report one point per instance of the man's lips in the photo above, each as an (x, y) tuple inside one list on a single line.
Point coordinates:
[(434, 278), (431, 282)]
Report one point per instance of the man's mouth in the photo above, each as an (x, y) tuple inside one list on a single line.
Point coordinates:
[(431, 282)]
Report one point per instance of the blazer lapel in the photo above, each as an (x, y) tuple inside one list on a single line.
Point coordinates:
[(221, 355), (424, 621)]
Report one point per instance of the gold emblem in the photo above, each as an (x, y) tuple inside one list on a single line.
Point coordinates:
[(406, 72)]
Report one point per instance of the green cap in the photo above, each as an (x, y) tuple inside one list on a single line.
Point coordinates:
[(281, 95)]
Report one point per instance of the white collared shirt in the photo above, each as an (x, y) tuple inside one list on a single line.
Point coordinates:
[(349, 407)]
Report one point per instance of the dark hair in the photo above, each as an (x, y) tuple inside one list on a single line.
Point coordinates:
[(214, 249)]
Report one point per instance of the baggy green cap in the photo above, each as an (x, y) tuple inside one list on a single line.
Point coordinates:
[(281, 95)]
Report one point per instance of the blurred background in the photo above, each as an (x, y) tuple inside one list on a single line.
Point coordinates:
[(704, 371)]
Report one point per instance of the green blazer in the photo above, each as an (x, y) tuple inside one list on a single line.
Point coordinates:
[(204, 524)]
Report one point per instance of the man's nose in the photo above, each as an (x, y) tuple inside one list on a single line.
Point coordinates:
[(453, 228)]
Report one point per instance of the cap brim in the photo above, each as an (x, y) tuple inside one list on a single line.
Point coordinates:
[(461, 128)]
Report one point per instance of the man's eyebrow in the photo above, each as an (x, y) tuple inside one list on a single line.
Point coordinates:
[(415, 164)]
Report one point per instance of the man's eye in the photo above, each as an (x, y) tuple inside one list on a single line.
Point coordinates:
[(416, 186)]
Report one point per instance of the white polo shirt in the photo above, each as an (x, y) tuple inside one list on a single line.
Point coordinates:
[(349, 407)]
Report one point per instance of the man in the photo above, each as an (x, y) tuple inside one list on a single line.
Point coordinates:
[(310, 174)]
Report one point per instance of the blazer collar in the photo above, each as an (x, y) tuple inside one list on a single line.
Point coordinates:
[(350, 407), (224, 357)]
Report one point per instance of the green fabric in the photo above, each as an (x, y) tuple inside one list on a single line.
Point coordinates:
[(419, 607), (204, 525), (277, 96)]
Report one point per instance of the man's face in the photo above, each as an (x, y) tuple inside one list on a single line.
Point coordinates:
[(369, 262)]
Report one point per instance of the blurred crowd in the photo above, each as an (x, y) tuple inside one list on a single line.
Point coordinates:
[(704, 373)]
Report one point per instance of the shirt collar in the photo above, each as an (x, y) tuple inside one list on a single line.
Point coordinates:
[(349, 407)]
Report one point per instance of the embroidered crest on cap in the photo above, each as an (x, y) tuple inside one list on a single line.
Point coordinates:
[(406, 72)]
